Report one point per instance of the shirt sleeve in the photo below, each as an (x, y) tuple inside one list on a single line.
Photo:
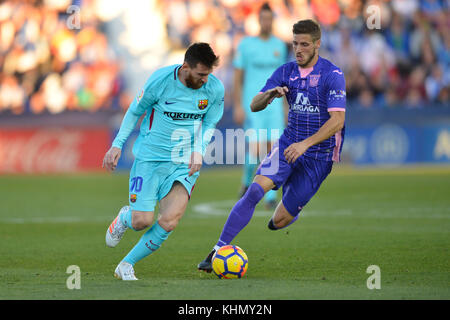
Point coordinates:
[(336, 94), (238, 60), (143, 102), (212, 117), (275, 80)]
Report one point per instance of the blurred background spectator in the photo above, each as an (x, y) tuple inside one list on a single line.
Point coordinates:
[(46, 66)]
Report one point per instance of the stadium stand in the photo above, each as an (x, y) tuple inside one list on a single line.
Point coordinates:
[(47, 67)]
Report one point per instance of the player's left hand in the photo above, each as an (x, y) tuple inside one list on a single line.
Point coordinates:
[(195, 163), (294, 151)]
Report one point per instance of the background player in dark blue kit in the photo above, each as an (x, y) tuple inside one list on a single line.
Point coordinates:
[(303, 156)]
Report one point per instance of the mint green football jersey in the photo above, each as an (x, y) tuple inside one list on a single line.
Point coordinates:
[(178, 120), (258, 59)]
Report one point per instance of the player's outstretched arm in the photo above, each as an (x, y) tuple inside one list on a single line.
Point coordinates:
[(128, 123), (262, 100), (135, 111), (111, 158)]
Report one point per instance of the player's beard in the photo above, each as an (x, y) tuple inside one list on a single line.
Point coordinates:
[(303, 65), (191, 83)]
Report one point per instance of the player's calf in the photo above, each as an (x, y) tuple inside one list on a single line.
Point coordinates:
[(173, 206), (272, 226), (169, 219), (281, 218)]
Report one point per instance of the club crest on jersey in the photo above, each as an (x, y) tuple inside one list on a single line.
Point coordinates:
[(202, 104), (133, 198), (314, 80)]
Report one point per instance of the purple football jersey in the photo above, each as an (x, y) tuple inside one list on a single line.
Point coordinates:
[(310, 99)]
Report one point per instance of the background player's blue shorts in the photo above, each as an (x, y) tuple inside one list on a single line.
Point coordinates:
[(300, 180), (150, 181)]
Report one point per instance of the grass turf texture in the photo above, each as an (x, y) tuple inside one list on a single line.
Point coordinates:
[(397, 219)]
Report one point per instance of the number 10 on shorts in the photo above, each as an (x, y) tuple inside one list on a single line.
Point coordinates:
[(136, 184)]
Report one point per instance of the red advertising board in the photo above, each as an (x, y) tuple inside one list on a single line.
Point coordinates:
[(39, 150)]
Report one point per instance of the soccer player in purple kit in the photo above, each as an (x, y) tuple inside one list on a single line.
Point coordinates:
[(303, 156)]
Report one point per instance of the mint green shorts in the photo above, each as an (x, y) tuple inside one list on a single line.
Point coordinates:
[(150, 181), (268, 125)]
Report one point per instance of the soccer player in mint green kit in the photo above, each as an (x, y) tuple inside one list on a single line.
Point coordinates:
[(255, 61), (182, 105)]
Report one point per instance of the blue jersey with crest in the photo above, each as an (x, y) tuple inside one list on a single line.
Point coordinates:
[(310, 99), (178, 120)]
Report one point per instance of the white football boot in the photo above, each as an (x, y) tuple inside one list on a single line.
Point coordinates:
[(125, 271), (115, 230)]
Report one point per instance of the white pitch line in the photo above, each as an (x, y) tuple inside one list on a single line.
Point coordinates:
[(23, 220), (223, 208)]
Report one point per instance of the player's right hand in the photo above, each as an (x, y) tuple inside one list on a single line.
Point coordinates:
[(111, 158), (277, 92), (195, 163)]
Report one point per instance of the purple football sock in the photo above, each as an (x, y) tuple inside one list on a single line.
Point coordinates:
[(241, 214)]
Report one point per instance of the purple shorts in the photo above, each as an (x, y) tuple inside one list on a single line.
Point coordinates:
[(300, 180)]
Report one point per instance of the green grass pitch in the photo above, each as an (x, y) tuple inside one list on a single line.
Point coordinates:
[(397, 219)]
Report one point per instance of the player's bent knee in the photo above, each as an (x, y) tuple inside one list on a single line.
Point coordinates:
[(170, 221), (168, 225), (140, 224), (141, 220), (265, 183)]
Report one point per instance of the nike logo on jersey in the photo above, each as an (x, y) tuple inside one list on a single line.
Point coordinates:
[(293, 79), (167, 102), (337, 71)]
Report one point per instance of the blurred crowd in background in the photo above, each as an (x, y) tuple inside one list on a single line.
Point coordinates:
[(47, 66), (404, 63)]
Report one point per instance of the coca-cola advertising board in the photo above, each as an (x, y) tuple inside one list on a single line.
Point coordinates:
[(53, 150)]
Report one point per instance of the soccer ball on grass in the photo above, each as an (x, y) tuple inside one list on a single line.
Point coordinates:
[(230, 262)]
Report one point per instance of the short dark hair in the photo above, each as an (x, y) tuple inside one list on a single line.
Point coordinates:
[(309, 27), (201, 52), (264, 7)]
